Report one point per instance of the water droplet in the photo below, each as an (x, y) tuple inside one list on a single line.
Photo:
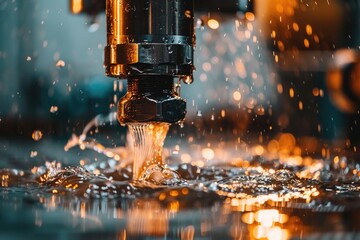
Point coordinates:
[(56, 56), (187, 79), (60, 64), (33, 154), (37, 135), (28, 58), (188, 60), (199, 24), (129, 8), (94, 26), (170, 49), (54, 109)]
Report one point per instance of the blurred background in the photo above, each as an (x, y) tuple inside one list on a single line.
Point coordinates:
[(283, 66)]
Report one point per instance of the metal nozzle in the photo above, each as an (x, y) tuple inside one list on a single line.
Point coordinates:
[(150, 43), (151, 99)]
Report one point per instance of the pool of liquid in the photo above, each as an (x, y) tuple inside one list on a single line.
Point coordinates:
[(47, 193)]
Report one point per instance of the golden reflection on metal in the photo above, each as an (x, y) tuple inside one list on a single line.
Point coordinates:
[(76, 6), (114, 20)]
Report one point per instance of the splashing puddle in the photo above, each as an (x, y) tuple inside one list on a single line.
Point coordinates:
[(260, 199)]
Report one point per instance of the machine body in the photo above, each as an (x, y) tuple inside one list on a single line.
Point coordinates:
[(150, 43)]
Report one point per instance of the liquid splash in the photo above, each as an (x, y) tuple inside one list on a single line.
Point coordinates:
[(143, 148), (248, 186), (267, 193), (120, 154), (257, 180), (265, 198), (148, 142), (148, 164)]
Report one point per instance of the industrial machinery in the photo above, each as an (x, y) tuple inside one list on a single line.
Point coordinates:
[(151, 43)]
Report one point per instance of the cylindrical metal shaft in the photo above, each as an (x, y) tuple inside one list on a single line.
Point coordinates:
[(147, 37)]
